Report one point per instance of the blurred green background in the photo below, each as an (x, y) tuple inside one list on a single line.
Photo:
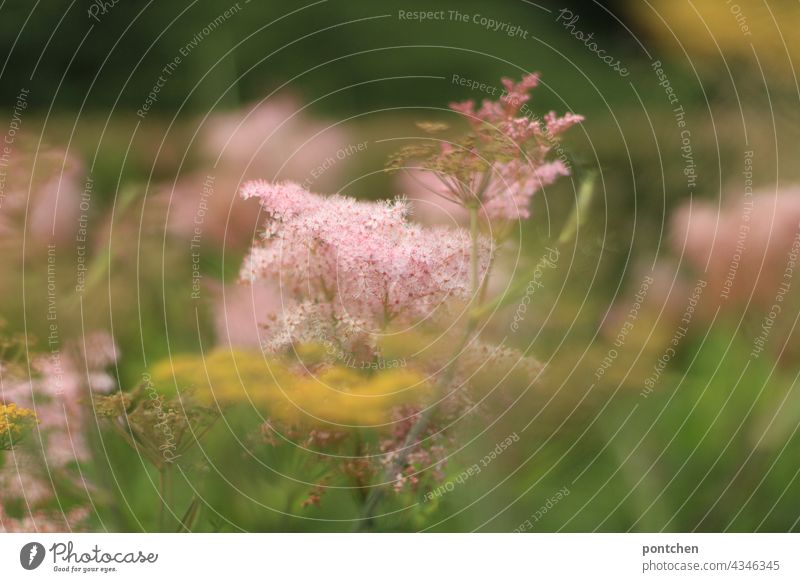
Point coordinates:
[(714, 447)]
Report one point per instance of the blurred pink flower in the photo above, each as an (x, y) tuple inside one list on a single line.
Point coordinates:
[(508, 195), (60, 395), (242, 310), (274, 138), (19, 480), (428, 199), (44, 521), (41, 197), (211, 208), (742, 249)]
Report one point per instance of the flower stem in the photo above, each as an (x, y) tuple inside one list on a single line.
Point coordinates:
[(414, 435), (473, 259), (164, 494)]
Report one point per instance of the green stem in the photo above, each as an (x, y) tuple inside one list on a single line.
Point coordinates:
[(412, 439), (165, 494), (473, 259), (477, 309), (420, 426), (568, 233)]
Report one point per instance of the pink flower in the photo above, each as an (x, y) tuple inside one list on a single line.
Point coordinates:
[(275, 138), (60, 393), (743, 248), (513, 185), (209, 206), (513, 159), (429, 200), (42, 194), (354, 267), (241, 312), (44, 521)]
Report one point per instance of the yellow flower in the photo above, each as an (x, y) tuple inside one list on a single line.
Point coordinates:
[(14, 423), (332, 393), (342, 395), (222, 377)]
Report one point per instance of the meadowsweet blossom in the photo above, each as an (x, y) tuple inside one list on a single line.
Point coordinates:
[(161, 429), (360, 282), (349, 268), (241, 310), (480, 372), (315, 404), (508, 194), (510, 154), (421, 463)]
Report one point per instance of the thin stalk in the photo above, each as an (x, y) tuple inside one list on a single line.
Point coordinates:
[(477, 309), (412, 438), (568, 232), (473, 259), (485, 285), (191, 516), (421, 425), (164, 494)]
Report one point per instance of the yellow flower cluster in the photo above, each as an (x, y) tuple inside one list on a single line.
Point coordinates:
[(289, 391), (14, 422)]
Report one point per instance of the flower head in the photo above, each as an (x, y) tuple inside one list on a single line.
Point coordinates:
[(504, 160), (348, 268), (14, 423)]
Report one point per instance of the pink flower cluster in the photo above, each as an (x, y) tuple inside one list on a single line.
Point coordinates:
[(350, 268), (525, 141), (420, 459), (743, 246), (508, 195)]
